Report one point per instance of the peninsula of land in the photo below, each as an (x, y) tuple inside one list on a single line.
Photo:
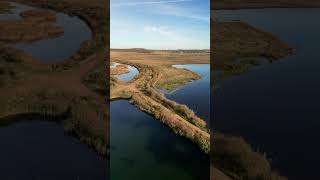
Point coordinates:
[(156, 72)]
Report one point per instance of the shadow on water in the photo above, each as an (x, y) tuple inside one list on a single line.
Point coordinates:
[(39, 149), (275, 107), (144, 148)]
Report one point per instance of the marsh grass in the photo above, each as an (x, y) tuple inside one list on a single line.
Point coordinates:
[(169, 119), (181, 109), (237, 159), (6, 7)]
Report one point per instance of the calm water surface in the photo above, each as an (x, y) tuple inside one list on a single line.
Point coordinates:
[(56, 49), (128, 76), (196, 94), (143, 148), (41, 150), (276, 107)]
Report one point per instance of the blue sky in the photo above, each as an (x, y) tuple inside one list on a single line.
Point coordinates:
[(160, 24)]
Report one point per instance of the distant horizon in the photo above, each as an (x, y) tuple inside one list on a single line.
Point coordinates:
[(157, 49), (160, 25)]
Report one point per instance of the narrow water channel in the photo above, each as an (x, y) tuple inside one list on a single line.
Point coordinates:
[(275, 107), (144, 148), (55, 49), (39, 149), (133, 71)]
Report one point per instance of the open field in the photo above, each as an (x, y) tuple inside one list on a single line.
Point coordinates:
[(74, 88), (156, 57), (247, 4), (155, 72)]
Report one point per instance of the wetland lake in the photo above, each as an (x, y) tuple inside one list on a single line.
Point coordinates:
[(196, 94), (127, 76), (53, 49), (144, 148), (40, 149), (275, 106)]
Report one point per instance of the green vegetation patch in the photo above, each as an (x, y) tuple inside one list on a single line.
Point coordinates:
[(173, 78)]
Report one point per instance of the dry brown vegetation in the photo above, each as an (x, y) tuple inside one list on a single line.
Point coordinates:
[(34, 89), (155, 69), (74, 88), (153, 57), (238, 160), (119, 69), (5, 7), (34, 25), (95, 13), (233, 41)]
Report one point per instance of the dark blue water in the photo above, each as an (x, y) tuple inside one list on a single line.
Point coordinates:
[(196, 94), (143, 148), (275, 107), (41, 150), (55, 49)]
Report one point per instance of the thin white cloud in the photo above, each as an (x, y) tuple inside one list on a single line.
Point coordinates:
[(158, 29), (147, 3), (173, 10)]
